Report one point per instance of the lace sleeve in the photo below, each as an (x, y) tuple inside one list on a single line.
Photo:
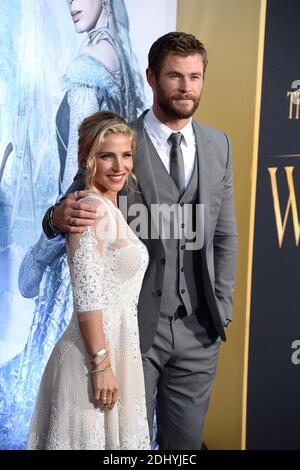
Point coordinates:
[(87, 256)]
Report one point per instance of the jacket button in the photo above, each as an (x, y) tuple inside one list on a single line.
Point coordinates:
[(182, 270), (182, 291), (163, 261), (183, 247), (158, 292)]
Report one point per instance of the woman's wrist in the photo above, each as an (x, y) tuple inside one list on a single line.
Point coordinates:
[(102, 371), (102, 352), (101, 363)]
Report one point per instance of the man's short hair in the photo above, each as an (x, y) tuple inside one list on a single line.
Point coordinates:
[(176, 43)]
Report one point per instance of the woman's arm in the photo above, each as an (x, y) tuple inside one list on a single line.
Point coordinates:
[(105, 386), (87, 255)]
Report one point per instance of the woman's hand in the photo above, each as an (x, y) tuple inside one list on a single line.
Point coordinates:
[(105, 388)]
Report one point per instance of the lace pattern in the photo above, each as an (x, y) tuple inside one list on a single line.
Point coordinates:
[(107, 273), (87, 273)]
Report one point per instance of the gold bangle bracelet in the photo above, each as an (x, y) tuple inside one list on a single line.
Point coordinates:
[(94, 363), (102, 371), (99, 353)]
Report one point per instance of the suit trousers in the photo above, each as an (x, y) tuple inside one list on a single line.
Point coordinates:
[(179, 370)]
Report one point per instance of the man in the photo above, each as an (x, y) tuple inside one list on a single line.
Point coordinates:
[(186, 297)]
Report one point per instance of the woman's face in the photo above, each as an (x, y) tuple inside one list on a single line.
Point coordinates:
[(114, 163), (85, 14)]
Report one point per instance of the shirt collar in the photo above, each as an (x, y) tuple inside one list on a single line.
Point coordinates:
[(160, 132)]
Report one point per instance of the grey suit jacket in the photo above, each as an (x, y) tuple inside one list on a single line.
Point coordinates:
[(218, 254)]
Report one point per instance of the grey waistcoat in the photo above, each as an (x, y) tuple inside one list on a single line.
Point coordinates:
[(179, 286)]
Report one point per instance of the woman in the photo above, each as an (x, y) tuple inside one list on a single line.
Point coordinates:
[(92, 391)]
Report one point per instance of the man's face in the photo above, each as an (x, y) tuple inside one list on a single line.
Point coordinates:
[(177, 89)]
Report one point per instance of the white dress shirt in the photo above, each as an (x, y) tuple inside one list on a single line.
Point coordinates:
[(159, 134)]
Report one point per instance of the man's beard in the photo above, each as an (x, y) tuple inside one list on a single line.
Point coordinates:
[(168, 104)]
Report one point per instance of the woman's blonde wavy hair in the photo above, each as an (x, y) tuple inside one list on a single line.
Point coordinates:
[(91, 133)]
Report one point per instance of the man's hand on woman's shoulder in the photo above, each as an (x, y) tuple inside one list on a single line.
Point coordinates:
[(73, 216)]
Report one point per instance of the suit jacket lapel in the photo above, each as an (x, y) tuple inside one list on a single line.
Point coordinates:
[(143, 170), (142, 166)]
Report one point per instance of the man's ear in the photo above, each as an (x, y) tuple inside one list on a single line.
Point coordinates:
[(151, 78)]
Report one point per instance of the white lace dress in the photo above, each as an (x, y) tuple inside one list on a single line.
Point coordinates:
[(107, 265)]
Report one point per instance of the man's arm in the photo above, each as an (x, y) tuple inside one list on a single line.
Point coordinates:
[(70, 215), (225, 244)]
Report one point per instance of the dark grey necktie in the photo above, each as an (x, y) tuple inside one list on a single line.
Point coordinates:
[(176, 161)]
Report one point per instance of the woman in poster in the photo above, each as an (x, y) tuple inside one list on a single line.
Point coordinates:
[(103, 76)]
